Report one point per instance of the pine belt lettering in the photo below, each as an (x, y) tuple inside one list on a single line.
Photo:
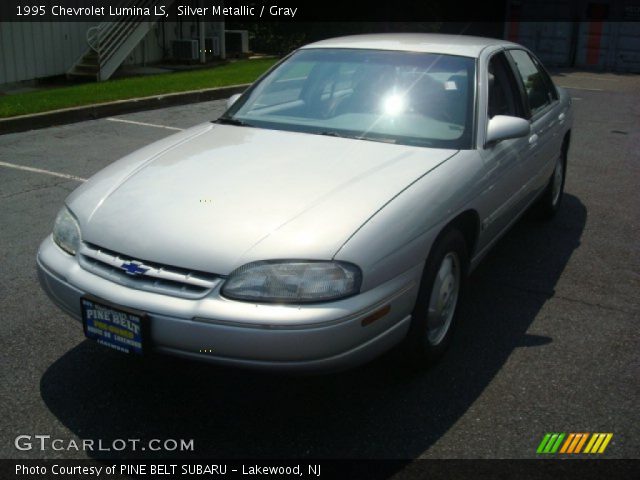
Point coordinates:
[(117, 318)]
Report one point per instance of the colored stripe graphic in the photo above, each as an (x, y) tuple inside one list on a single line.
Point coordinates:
[(556, 445), (598, 442), (550, 443), (581, 442), (591, 442), (577, 437), (567, 443), (573, 443), (544, 441), (605, 443)]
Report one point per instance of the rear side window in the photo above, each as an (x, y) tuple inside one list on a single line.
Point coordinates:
[(538, 87)]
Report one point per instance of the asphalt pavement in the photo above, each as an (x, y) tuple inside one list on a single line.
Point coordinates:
[(549, 342)]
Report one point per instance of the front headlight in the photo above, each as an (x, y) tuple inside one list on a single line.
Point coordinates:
[(293, 281), (66, 232)]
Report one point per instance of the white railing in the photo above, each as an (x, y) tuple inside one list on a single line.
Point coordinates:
[(106, 38)]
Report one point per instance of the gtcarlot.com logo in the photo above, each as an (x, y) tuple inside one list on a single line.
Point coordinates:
[(46, 442), (574, 443)]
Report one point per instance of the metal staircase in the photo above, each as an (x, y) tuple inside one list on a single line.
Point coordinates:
[(111, 42)]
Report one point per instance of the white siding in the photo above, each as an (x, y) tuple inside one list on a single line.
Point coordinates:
[(31, 50), (150, 49)]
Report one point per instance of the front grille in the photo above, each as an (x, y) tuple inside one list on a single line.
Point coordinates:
[(158, 278)]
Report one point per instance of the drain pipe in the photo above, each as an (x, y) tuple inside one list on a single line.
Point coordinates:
[(203, 50)]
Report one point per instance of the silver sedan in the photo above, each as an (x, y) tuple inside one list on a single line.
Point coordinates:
[(330, 214)]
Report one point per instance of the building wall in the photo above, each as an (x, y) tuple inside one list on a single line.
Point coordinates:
[(551, 41), (594, 37), (39, 49), (30, 50), (597, 45), (613, 46), (156, 46)]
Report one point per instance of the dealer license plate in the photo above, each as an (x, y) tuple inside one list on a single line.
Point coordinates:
[(119, 328)]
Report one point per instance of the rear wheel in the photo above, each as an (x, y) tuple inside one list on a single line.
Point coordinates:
[(433, 318)]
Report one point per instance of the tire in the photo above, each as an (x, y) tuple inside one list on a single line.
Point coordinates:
[(549, 203), (442, 281)]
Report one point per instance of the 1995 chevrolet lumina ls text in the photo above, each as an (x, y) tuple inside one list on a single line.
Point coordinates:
[(331, 213)]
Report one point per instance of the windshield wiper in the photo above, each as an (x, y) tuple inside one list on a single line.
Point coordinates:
[(381, 139), (233, 121), (331, 134)]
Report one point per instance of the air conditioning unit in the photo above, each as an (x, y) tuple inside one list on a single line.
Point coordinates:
[(186, 50), (237, 41), (212, 46)]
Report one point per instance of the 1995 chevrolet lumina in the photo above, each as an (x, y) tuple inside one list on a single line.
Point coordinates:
[(331, 213)]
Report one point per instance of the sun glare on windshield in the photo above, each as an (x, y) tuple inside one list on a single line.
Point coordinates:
[(409, 98)]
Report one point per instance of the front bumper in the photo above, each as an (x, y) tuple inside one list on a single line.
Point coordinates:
[(317, 337)]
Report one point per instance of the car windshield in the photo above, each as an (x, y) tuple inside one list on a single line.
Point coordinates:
[(406, 98)]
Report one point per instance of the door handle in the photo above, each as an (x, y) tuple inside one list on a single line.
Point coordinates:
[(533, 139), (561, 117)]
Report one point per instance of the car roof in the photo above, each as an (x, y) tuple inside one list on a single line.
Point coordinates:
[(463, 45)]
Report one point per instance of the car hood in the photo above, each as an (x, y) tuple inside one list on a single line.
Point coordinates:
[(214, 197)]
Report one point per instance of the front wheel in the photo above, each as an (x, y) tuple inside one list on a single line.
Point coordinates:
[(550, 200), (434, 315)]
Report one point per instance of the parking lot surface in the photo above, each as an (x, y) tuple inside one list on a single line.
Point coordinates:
[(549, 340)]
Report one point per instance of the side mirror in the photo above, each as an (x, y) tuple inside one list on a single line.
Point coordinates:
[(232, 99), (503, 127)]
